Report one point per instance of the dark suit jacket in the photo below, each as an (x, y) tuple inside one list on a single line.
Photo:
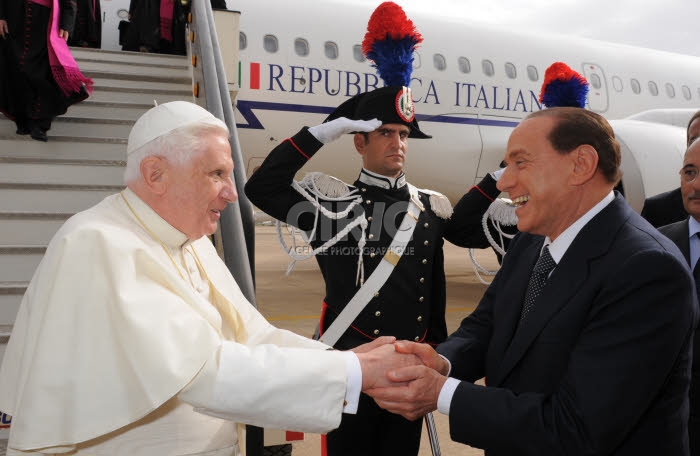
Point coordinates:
[(664, 208), (600, 366), (678, 232)]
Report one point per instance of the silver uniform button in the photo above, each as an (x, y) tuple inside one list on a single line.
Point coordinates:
[(422, 280), (376, 331), (376, 293), (420, 318), (424, 261), (368, 202), (369, 219), (377, 314), (372, 254), (364, 189), (426, 225), (416, 338), (421, 299), (426, 242), (371, 236)]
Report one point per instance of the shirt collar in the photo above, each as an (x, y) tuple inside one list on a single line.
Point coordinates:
[(693, 227), (560, 245), (377, 180), (154, 223)]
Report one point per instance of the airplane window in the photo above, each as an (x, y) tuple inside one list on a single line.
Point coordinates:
[(670, 90), (357, 53), (439, 62), (617, 83), (416, 59), (686, 92), (464, 65), (636, 88), (511, 72), (595, 81), (301, 47), (270, 43), (487, 67), (242, 41), (653, 89), (331, 50), (532, 73)]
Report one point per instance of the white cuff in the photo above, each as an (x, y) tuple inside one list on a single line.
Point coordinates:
[(446, 393), (354, 386)]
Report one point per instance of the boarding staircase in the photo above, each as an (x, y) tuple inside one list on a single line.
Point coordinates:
[(43, 184)]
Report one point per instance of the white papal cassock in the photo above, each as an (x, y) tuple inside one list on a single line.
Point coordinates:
[(118, 348)]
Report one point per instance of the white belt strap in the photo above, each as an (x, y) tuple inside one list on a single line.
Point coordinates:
[(380, 275)]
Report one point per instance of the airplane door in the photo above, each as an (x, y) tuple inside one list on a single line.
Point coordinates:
[(113, 11), (598, 89)]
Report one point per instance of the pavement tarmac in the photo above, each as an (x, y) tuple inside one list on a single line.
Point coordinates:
[(293, 302)]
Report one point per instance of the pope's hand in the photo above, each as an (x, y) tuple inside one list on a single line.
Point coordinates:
[(330, 131), (378, 342), (375, 364)]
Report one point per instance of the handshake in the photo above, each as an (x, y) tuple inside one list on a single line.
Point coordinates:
[(402, 377)]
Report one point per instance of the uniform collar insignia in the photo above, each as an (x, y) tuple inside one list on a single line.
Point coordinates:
[(377, 180)]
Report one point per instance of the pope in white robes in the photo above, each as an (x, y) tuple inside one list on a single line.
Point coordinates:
[(133, 337)]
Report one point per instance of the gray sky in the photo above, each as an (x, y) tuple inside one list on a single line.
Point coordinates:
[(668, 25)]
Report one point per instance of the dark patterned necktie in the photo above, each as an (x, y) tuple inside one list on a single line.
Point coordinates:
[(696, 272), (545, 264)]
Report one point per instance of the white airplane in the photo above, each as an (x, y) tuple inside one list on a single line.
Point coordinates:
[(471, 83)]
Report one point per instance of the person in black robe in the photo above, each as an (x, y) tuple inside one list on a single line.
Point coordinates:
[(29, 93), (88, 25), (146, 34)]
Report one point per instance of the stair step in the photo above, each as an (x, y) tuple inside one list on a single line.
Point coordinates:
[(34, 229), (137, 85), (60, 173), (121, 111), (19, 147), (113, 95), (126, 56), (138, 73), (67, 126), (54, 199), (11, 294), (17, 265)]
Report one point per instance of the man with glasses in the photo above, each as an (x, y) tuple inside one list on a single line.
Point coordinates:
[(685, 235)]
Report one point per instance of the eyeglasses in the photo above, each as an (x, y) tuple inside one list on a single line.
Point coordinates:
[(688, 174)]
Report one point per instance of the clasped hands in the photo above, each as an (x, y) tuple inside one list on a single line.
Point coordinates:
[(402, 377)]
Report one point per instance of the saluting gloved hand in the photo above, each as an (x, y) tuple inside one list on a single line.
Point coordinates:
[(497, 174), (330, 131)]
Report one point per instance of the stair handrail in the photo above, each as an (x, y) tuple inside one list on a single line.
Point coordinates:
[(237, 223)]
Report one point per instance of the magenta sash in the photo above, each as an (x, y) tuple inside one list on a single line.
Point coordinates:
[(166, 19), (63, 67)]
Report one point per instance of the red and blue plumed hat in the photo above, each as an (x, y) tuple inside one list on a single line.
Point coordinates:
[(389, 43), (563, 87)]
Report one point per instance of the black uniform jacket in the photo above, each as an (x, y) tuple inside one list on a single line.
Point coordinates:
[(411, 304), (600, 366)]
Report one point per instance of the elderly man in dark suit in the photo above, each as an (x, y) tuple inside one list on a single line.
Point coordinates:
[(685, 235), (584, 337), (668, 207)]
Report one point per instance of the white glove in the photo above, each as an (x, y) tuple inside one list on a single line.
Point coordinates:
[(497, 174), (330, 131)]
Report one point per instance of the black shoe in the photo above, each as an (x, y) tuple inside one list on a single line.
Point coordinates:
[(39, 134)]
